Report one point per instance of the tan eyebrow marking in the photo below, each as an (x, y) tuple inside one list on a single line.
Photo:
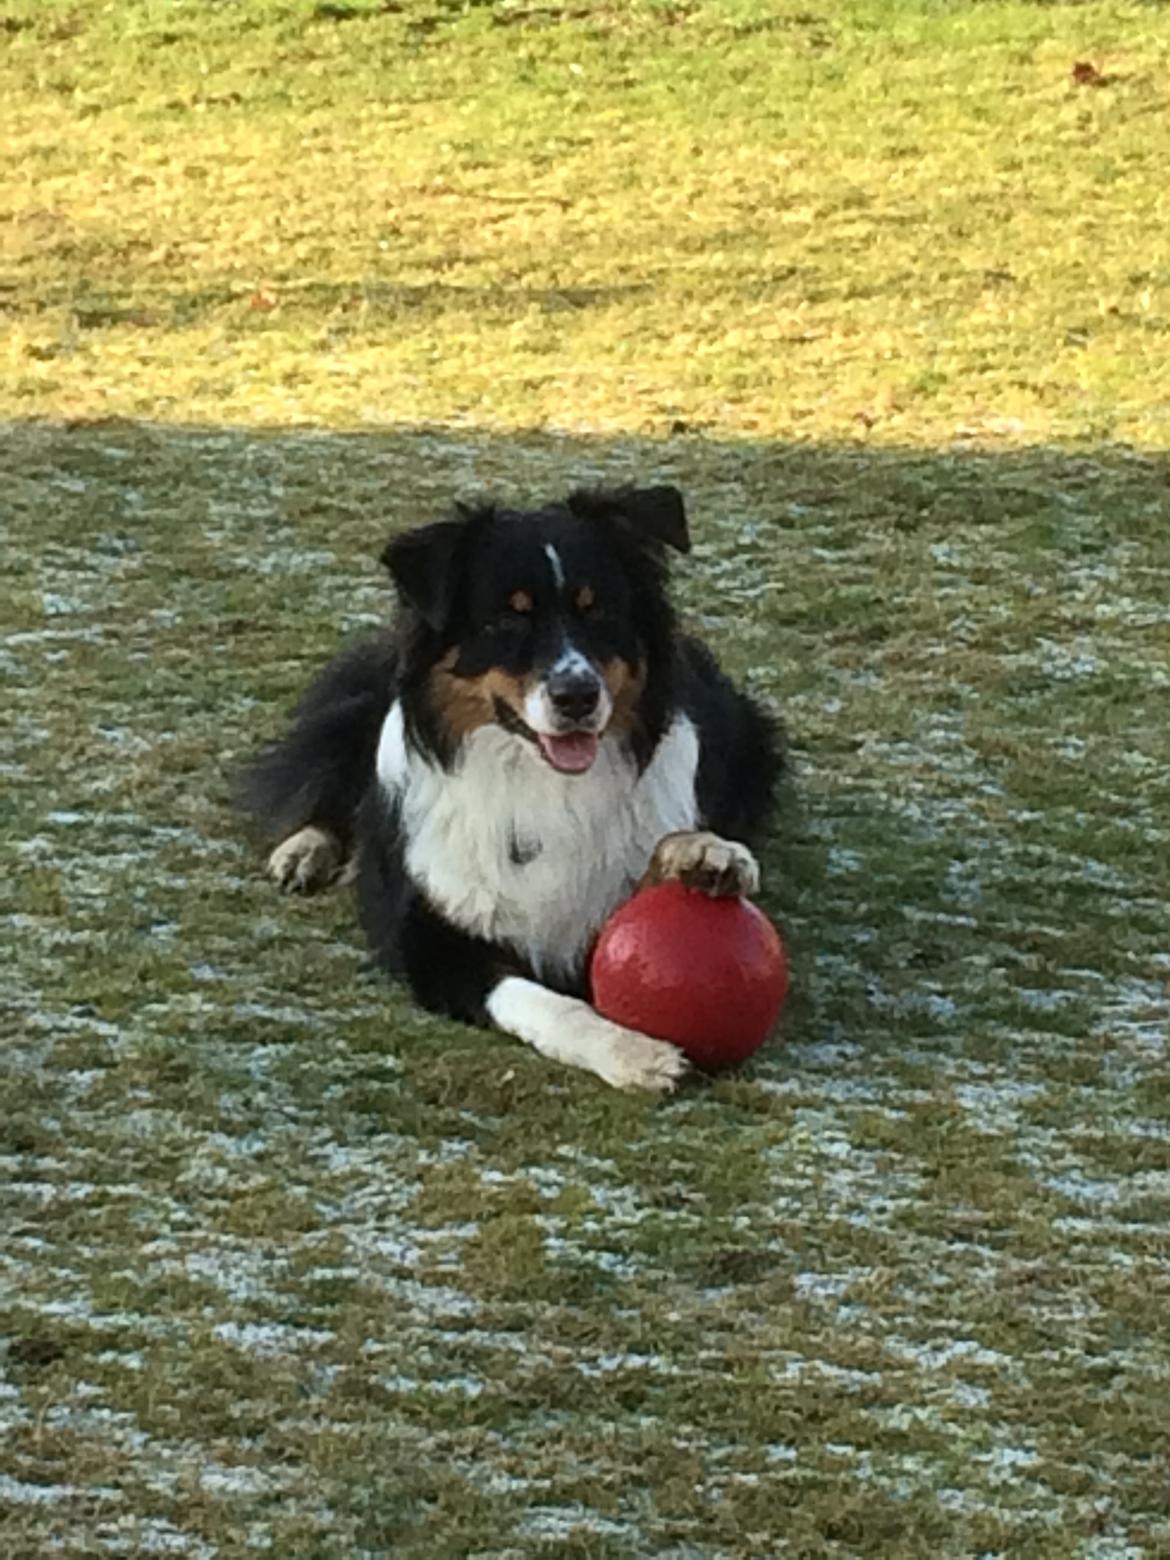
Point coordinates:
[(584, 599), (520, 601)]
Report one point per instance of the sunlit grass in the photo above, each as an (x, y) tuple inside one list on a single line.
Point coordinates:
[(904, 223)]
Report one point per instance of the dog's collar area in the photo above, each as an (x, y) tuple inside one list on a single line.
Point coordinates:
[(522, 850)]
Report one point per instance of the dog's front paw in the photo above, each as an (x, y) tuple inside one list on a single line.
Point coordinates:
[(629, 1060), (721, 868), (307, 860), (569, 1031)]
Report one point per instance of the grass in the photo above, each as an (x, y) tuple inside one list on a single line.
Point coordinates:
[(290, 1266)]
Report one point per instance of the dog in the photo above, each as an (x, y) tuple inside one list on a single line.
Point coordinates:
[(531, 740)]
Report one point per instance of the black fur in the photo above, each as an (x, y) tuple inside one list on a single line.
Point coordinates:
[(740, 758), (449, 578), (320, 770)]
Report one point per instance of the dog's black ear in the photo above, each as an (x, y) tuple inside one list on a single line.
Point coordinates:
[(654, 514), (422, 565)]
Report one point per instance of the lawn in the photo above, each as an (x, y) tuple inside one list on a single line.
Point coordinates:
[(288, 1267)]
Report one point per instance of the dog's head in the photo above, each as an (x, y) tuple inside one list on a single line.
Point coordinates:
[(553, 624)]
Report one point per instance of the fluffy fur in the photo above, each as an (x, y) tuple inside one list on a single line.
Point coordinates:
[(530, 740)]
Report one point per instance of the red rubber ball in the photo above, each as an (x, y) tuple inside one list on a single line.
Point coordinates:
[(707, 974)]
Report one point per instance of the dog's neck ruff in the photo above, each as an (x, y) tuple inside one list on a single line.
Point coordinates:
[(511, 851)]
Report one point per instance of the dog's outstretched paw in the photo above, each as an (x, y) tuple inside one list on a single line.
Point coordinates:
[(721, 868), (569, 1031), (634, 1061), (308, 860)]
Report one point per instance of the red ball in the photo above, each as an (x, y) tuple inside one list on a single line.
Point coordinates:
[(707, 974)]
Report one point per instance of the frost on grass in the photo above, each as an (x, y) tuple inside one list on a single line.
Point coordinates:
[(278, 1253)]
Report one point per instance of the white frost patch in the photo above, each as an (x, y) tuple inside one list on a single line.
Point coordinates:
[(799, 1369), (824, 1286), (607, 1261), (24, 1494), (42, 635), (842, 862), (1045, 1001), (429, 1299), (129, 1359), (963, 1395), (1004, 1461), (606, 1364), (398, 1250), (271, 1013), (292, 560), (463, 1386), (217, 1479), (55, 605), (1065, 663), (268, 1340), (975, 1503), (963, 886), (511, 1484), (995, 1105), (241, 1275), (479, 1338), (152, 1536), (935, 1356), (1137, 1012), (548, 1522), (781, 1452), (1080, 1188), (935, 1004)]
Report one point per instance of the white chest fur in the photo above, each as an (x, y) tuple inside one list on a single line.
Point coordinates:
[(514, 852)]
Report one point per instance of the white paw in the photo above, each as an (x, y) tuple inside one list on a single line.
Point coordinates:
[(721, 868), (629, 1060), (307, 860), (569, 1031)]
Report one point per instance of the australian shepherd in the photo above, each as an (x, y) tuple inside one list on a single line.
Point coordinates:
[(531, 740)]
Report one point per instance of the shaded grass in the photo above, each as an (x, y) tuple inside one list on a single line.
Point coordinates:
[(267, 1216)]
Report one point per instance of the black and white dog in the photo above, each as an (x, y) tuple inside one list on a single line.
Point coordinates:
[(501, 769)]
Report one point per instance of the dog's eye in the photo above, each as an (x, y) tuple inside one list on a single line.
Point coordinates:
[(516, 612)]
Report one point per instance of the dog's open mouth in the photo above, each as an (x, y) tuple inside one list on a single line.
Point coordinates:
[(568, 752), (572, 753)]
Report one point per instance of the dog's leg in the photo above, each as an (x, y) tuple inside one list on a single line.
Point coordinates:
[(304, 790), (567, 1030), (721, 868), (452, 972), (307, 860)]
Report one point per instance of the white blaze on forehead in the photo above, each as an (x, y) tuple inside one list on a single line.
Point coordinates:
[(558, 568)]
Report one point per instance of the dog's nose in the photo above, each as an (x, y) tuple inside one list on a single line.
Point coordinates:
[(574, 692)]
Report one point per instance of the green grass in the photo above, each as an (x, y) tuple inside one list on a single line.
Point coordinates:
[(289, 1266)]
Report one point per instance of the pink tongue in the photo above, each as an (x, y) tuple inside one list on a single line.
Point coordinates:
[(573, 754)]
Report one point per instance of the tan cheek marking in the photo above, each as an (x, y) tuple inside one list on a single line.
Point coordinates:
[(502, 685), (625, 684), (466, 703)]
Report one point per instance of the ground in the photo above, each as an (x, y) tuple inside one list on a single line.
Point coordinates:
[(289, 1267)]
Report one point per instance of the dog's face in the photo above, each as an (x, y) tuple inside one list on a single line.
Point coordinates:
[(544, 623)]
